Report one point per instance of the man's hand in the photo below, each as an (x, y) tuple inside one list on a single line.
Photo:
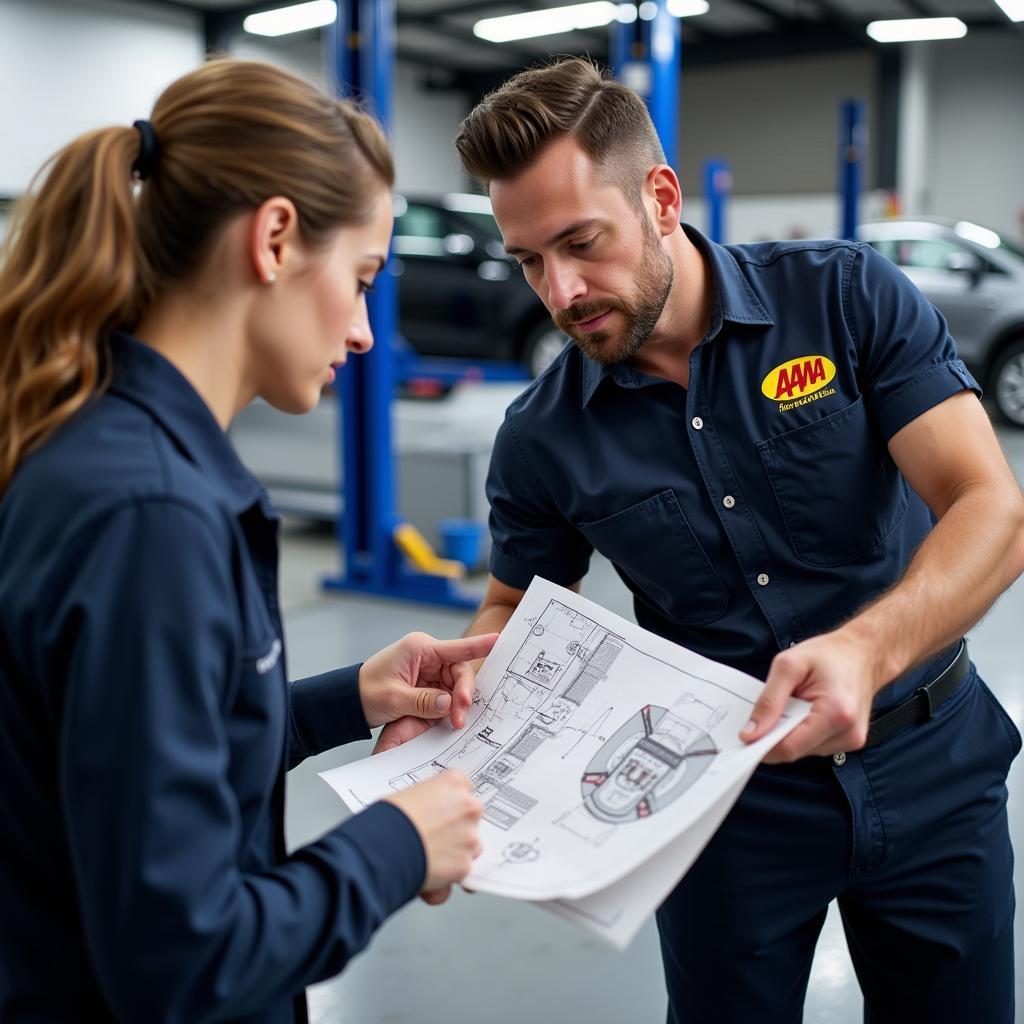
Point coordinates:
[(837, 674), (417, 681)]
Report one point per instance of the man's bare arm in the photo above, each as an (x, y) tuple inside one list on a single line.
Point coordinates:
[(499, 603), (952, 459)]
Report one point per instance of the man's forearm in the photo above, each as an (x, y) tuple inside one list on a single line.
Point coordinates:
[(491, 618), (971, 556)]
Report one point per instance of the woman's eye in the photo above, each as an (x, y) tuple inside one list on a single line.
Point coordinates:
[(365, 287)]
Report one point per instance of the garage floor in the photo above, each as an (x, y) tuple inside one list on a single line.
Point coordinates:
[(479, 958)]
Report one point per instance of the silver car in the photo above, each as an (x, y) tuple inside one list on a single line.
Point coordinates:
[(976, 280)]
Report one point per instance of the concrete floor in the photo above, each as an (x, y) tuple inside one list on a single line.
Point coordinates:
[(480, 958)]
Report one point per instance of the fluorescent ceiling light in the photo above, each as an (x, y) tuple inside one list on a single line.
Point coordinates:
[(912, 30), (546, 22), (553, 20), (687, 8), (1013, 9), (296, 18)]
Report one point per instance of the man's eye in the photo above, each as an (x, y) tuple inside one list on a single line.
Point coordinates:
[(583, 246), (527, 261)]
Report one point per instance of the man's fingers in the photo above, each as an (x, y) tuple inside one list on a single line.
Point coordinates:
[(786, 674), (813, 735)]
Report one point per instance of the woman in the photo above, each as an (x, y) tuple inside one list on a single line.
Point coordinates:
[(160, 278)]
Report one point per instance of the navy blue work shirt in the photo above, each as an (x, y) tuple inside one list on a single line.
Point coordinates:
[(145, 728), (759, 506)]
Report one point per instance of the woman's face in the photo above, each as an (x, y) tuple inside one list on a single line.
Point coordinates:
[(314, 313)]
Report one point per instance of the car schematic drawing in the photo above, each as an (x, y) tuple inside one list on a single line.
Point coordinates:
[(652, 759)]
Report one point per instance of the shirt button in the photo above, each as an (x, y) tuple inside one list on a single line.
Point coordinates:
[(728, 501), (697, 423), (762, 579), (839, 760)]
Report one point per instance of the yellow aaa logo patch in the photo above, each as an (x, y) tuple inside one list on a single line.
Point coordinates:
[(798, 377)]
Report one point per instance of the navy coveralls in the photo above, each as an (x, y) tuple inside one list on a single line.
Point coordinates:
[(754, 509), (145, 728)]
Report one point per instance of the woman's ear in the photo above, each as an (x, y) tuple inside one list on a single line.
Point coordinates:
[(275, 229)]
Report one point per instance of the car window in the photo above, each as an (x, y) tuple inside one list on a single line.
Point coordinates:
[(419, 231), (925, 253), (484, 222), (886, 246)]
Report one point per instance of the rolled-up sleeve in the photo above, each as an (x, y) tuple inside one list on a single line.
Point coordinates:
[(908, 360), (146, 638), (529, 536)]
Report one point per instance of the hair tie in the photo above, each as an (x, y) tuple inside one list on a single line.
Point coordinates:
[(146, 162)]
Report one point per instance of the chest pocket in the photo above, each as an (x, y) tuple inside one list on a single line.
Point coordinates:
[(839, 492), (660, 560)]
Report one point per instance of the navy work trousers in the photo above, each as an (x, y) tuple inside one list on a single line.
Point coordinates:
[(909, 836)]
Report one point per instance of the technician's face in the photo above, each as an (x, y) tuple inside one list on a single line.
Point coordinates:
[(595, 261), (320, 316)]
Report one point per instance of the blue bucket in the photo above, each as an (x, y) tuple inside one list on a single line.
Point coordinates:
[(462, 540)]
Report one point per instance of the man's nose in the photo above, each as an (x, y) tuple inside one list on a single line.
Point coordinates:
[(565, 286)]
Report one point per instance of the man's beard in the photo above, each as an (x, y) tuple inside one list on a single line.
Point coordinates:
[(654, 278)]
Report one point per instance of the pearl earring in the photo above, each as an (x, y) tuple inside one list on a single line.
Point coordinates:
[(271, 277)]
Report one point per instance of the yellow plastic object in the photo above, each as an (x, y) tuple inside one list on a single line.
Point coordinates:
[(422, 556)]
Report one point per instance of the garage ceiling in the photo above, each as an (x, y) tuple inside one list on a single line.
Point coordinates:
[(438, 34)]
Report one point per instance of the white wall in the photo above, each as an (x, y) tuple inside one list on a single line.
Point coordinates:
[(976, 151), (424, 128), (423, 123), (70, 65), (775, 121), (67, 66)]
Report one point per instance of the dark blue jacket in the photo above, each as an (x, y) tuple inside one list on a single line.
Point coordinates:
[(145, 728)]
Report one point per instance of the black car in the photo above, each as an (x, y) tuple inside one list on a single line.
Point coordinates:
[(459, 293)]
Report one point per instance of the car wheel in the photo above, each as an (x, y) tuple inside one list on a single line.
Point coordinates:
[(542, 347), (1008, 383)]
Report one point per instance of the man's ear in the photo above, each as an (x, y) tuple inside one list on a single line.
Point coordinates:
[(663, 196), (275, 229)]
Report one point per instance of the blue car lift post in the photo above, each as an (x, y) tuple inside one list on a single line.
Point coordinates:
[(360, 51), (645, 56), (717, 185), (851, 155)]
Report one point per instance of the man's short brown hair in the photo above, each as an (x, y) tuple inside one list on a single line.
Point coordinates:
[(510, 126)]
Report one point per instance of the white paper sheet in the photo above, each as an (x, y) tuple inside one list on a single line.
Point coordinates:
[(617, 913), (595, 745)]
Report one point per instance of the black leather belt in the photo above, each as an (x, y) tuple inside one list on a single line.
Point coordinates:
[(922, 704)]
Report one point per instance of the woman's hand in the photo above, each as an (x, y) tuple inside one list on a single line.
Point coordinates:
[(419, 680), (447, 815)]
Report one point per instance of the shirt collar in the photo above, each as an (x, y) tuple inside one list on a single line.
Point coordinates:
[(732, 299), (145, 377)]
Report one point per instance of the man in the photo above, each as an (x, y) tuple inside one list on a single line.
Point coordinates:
[(790, 469)]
